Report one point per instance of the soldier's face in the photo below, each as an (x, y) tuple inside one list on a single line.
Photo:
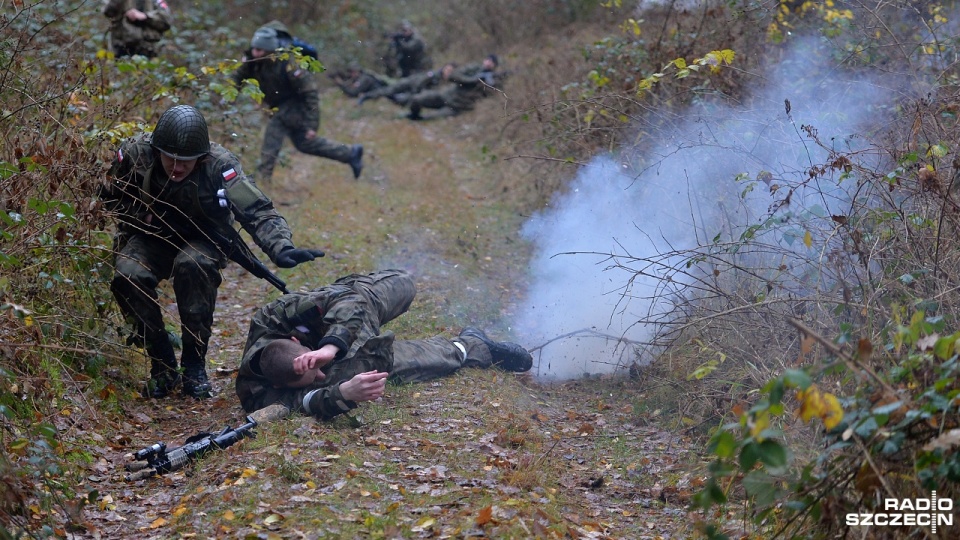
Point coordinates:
[(177, 169), (308, 378), (258, 53)]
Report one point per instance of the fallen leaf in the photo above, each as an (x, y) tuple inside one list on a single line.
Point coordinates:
[(484, 517)]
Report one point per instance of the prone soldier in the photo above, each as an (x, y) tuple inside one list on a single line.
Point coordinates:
[(470, 83), (322, 352)]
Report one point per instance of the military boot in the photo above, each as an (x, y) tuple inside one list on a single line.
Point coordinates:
[(195, 381), (506, 355), (163, 367)]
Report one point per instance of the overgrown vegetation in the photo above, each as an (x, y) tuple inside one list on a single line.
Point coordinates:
[(871, 357)]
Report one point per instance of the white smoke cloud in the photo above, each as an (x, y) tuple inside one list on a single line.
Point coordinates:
[(691, 188)]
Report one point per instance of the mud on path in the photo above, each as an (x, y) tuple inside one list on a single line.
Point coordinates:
[(479, 454)]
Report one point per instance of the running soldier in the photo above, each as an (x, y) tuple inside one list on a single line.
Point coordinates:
[(322, 352), (136, 26), (175, 195), (291, 93)]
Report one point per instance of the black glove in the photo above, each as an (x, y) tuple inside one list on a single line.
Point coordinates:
[(291, 256)]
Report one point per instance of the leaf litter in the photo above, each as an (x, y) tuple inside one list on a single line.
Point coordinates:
[(481, 454)]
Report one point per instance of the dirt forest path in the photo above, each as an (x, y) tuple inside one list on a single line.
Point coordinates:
[(482, 454)]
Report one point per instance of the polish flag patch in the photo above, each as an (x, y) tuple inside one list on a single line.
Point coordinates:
[(120, 155), (229, 174)]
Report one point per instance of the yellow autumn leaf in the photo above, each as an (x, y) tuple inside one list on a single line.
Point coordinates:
[(311, 484), (181, 510), (228, 515), (28, 320), (760, 422), (157, 523), (832, 411), (811, 404), (248, 472), (272, 518), (807, 239), (426, 522)]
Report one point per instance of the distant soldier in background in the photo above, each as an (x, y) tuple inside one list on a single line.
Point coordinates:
[(136, 26), (407, 53), (467, 85), (175, 196), (401, 90), (292, 92), (356, 81)]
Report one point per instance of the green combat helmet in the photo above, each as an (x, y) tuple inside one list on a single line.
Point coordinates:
[(181, 133)]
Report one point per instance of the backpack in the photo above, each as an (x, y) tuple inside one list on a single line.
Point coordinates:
[(288, 41)]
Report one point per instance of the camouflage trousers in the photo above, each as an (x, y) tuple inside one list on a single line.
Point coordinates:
[(194, 268), (288, 122), (390, 293)]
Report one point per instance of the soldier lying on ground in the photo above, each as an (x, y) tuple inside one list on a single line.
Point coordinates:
[(467, 85), (322, 352), (355, 81), (175, 195), (401, 90)]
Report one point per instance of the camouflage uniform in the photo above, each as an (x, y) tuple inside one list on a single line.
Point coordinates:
[(407, 54), (356, 80), (137, 37), (469, 85), (292, 91), (349, 314), (407, 85), (165, 231)]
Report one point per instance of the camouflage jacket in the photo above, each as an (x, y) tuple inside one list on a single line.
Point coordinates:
[(132, 34), (412, 54), (282, 81), (470, 83), (335, 314), (411, 85), (214, 194)]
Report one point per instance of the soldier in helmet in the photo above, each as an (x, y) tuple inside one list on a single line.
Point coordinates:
[(322, 352), (175, 195), (136, 26), (291, 93)]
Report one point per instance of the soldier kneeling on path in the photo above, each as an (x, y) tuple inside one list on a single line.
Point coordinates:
[(291, 93), (175, 195), (323, 352)]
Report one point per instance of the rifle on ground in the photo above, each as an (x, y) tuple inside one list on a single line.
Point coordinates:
[(157, 460)]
